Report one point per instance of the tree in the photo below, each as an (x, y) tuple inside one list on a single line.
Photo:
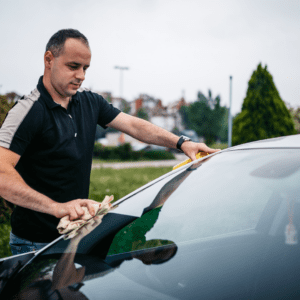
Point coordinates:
[(125, 107), (207, 117), (264, 114), (184, 112), (142, 113)]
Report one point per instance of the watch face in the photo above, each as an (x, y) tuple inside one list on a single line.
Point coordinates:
[(181, 140)]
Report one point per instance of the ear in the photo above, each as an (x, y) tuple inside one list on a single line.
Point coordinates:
[(48, 58)]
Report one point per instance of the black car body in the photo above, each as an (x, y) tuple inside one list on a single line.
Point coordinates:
[(223, 227)]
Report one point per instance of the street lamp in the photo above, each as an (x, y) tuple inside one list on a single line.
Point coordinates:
[(229, 114), (121, 77)]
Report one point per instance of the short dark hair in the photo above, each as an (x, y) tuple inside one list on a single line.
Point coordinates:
[(58, 39)]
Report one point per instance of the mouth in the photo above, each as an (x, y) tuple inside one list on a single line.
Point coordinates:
[(77, 85)]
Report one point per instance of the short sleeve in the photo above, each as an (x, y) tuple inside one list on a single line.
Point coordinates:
[(21, 125), (107, 112)]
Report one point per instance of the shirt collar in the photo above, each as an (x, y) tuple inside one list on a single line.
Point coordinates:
[(48, 99)]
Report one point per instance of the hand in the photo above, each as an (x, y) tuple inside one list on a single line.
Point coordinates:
[(191, 149), (74, 208)]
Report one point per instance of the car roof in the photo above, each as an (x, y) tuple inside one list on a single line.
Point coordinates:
[(291, 141)]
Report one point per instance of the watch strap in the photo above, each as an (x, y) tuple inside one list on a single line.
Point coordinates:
[(181, 140)]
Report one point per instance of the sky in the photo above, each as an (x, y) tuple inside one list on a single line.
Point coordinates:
[(173, 48)]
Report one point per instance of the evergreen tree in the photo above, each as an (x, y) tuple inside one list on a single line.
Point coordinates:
[(264, 114)]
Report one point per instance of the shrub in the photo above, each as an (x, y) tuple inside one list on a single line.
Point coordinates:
[(158, 155), (4, 240), (125, 153)]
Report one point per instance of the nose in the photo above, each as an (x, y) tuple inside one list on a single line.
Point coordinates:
[(80, 74)]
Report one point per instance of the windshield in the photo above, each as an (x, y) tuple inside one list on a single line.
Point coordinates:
[(223, 194)]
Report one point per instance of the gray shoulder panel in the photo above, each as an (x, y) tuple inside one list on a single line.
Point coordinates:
[(15, 117)]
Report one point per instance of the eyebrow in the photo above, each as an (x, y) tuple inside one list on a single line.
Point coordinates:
[(76, 64)]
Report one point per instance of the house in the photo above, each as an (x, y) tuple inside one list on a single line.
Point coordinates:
[(117, 102), (167, 117)]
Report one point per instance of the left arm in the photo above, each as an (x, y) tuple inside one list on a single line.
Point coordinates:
[(149, 133)]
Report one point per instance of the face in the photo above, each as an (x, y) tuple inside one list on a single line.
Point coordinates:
[(67, 71)]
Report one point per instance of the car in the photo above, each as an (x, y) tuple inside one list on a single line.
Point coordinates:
[(222, 227), (191, 134)]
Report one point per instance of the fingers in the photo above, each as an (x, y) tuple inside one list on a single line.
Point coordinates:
[(193, 157), (72, 212), (205, 148), (90, 204), (79, 210), (91, 209), (74, 208)]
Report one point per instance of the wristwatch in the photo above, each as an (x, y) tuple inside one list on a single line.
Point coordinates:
[(181, 140)]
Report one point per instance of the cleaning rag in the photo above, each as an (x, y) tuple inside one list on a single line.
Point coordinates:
[(65, 225)]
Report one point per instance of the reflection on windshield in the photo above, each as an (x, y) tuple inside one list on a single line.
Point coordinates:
[(132, 237), (64, 273)]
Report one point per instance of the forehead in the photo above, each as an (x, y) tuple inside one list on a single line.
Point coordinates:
[(75, 49)]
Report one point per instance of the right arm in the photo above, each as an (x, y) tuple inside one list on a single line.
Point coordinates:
[(14, 189)]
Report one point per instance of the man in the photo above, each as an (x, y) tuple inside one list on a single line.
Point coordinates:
[(46, 144)]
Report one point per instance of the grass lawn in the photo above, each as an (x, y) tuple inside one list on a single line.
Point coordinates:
[(103, 182)]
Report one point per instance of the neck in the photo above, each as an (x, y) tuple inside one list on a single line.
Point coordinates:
[(57, 97)]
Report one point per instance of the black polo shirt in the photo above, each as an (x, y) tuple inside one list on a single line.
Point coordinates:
[(56, 147)]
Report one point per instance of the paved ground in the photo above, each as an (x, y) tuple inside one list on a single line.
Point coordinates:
[(142, 164)]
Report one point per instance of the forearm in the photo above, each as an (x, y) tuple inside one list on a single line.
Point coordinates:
[(149, 133), (152, 134), (14, 189)]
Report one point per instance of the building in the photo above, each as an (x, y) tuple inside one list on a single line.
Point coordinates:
[(167, 117)]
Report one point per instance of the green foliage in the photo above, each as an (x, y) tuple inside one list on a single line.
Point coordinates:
[(6, 209), (4, 240), (184, 112), (264, 114), (133, 236), (125, 153), (207, 117), (125, 107), (218, 146), (142, 113), (157, 155)]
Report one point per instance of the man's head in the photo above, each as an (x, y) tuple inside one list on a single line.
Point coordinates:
[(67, 58), (58, 39)]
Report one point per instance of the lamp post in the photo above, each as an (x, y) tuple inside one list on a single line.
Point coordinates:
[(229, 114), (121, 77)]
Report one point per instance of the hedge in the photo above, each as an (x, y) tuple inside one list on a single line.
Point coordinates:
[(125, 153)]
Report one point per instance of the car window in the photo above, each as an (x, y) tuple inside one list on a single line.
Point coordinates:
[(223, 194)]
